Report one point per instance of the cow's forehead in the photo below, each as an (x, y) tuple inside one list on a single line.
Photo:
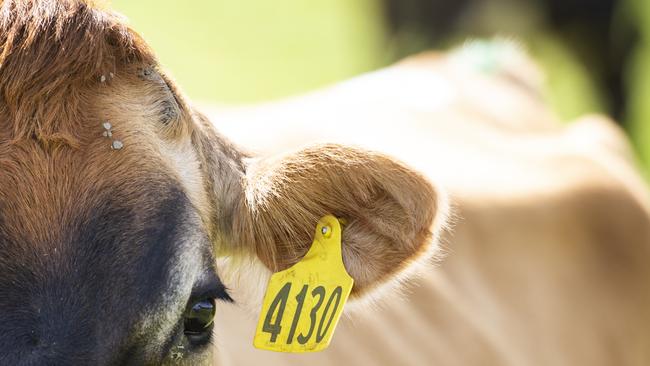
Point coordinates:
[(90, 258)]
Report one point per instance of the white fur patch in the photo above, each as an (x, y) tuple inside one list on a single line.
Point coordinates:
[(246, 279), (183, 160)]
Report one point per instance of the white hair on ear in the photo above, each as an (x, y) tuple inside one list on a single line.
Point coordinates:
[(400, 283), (246, 278)]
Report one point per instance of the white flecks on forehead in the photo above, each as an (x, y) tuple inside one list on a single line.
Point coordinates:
[(117, 145), (108, 129), (108, 132), (103, 77)]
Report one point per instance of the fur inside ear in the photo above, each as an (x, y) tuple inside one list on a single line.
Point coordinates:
[(389, 210)]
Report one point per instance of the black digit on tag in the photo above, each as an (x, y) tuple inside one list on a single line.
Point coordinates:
[(301, 301), (337, 292), (320, 292), (281, 300)]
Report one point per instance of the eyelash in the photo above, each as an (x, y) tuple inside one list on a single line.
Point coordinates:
[(219, 294)]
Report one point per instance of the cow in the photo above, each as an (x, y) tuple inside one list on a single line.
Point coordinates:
[(132, 232), (117, 198), (545, 257)]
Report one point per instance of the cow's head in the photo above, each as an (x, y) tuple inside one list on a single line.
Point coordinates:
[(117, 199)]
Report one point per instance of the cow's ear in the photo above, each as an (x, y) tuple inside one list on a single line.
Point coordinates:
[(391, 213)]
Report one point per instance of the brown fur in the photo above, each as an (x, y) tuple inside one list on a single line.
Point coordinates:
[(547, 263), (58, 97), (53, 55), (379, 198), (66, 67), (70, 45)]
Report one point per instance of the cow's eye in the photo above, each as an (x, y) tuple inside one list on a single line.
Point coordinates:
[(199, 319)]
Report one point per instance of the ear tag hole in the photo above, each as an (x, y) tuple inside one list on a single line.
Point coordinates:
[(326, 231), (303, 303)]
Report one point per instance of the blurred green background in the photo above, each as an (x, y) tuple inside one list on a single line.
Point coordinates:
[(240, 51), (252, 50)]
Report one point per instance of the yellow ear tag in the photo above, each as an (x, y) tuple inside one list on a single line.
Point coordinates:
[(303, 304)]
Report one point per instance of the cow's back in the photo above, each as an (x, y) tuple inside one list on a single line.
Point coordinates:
[(547, 256)]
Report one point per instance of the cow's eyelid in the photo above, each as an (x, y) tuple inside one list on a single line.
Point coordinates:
[(209, 287), (214, 293)]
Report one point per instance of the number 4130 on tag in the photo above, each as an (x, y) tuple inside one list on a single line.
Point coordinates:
[(303, 304)]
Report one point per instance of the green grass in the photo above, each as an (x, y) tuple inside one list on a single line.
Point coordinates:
[(253, 50)]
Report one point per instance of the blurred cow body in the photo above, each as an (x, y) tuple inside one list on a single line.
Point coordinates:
[(547, 258)]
